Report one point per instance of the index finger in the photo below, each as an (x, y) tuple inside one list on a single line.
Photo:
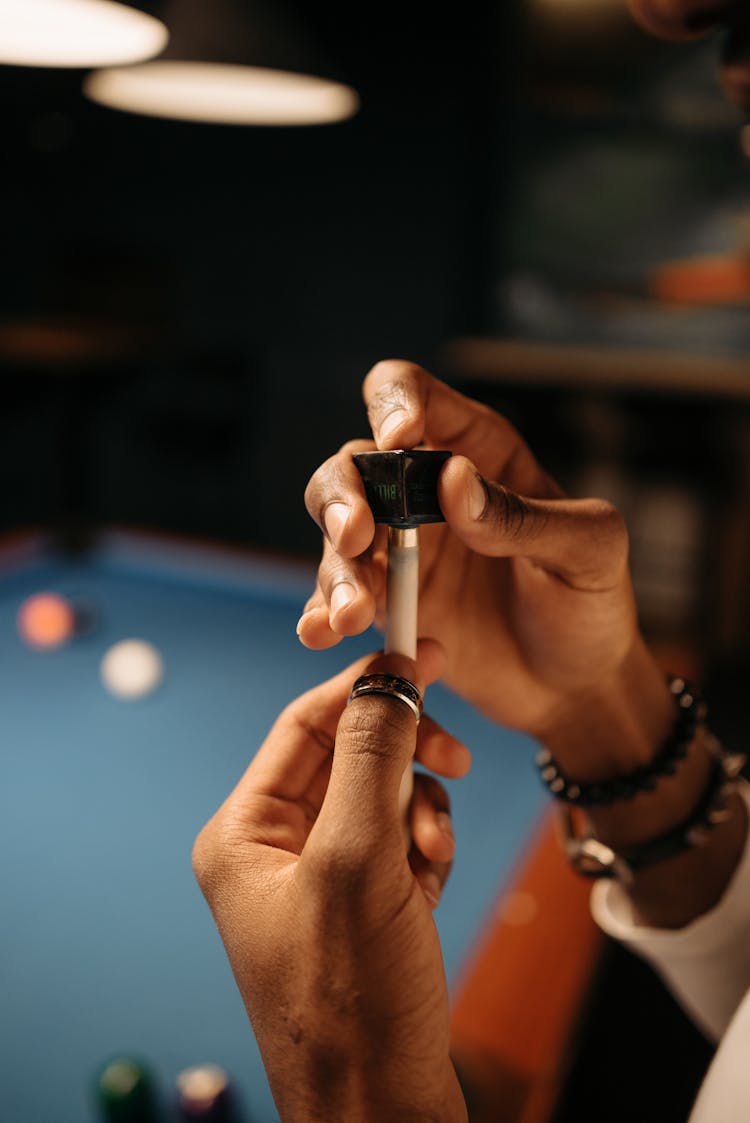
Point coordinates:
[(407, 406)]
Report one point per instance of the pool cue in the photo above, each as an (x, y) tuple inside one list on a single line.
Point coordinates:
[(402, 599)]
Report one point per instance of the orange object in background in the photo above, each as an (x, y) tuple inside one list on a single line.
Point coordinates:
[(46, 620), (702, 280), (518, 1003)]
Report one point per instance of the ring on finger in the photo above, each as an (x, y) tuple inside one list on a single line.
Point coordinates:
[(394, 686)]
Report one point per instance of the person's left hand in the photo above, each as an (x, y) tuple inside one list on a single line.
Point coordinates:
[(326, 920)]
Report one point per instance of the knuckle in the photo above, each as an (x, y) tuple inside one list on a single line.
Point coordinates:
[(203, 855), (332, 480), (375, 727), (609, 522), (496, 426), (335, 571), (332, 483), (357, 444), (507, 511), (331, 867), (298, 717), (315, 485), (347, 870), (216, 858), (617, 533)]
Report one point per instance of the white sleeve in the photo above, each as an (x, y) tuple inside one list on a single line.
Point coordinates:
[(725, 1092), (706, 964)]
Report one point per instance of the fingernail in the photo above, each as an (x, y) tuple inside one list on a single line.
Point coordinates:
[(445, 824), (392, 422), (342, 595), (431, 887), (302, 619), (335, 519), (477, 498)]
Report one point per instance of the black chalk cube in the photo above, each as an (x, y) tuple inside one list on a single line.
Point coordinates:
[(401, 486)]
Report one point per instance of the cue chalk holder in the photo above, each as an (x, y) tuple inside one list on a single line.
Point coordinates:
[(401, 486)]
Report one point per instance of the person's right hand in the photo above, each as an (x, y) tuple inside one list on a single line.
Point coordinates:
[(527, 590)]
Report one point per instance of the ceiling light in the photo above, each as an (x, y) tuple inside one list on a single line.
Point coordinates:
[(223, 94), (76, 33), (230, 62)]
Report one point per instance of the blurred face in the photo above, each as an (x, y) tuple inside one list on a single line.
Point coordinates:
[(689, 19)]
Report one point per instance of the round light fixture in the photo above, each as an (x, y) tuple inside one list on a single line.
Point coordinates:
[(222, 93), (236, 62), (77, 33)]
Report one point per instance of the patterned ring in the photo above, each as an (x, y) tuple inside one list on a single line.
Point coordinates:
[(393, 685)]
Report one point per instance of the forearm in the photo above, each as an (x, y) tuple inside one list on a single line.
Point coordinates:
[(618, 729), (323, 1089), (335, 1051)]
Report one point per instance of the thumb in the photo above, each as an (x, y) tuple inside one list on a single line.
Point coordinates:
[(375, 742), (582, 541)]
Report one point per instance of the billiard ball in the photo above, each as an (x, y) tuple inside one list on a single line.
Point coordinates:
[(203, 1095), (49, 620), (124, 1092), (132, 669), (46, 620)]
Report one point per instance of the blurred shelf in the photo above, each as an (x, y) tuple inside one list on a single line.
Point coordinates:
[(525, 363), (64, 345)]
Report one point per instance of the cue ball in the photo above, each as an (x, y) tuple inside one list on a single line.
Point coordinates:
[(132, 669)]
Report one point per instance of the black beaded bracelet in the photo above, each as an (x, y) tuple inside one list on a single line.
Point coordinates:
[(691, 714), (593, 858)]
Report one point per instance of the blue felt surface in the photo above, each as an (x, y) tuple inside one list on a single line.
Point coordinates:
[(106, 945)]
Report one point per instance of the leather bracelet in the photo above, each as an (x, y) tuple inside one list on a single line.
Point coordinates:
[(593, 858), (691, 714)]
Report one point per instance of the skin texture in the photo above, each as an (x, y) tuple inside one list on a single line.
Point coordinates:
[(326, 920), (528, 591)]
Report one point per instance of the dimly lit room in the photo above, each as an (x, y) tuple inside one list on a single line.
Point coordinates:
[(526, 224)]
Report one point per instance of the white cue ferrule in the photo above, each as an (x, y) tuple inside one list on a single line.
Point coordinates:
[(401, 605), (402, 591)]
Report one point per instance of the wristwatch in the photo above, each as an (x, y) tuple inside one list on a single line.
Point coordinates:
[(591, 857)]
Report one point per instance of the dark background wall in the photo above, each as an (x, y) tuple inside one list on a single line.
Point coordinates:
[(187, 310)]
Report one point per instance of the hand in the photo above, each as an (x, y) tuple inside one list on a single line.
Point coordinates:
[(528, 591), (326, 922)]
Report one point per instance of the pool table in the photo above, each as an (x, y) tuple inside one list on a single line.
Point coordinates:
[(106, 945)]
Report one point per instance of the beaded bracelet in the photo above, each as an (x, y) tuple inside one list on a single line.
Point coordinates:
[(593, 858), (691, 713)]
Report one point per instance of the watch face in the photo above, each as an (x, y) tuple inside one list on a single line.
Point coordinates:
[(586, 854), (592, 858)]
